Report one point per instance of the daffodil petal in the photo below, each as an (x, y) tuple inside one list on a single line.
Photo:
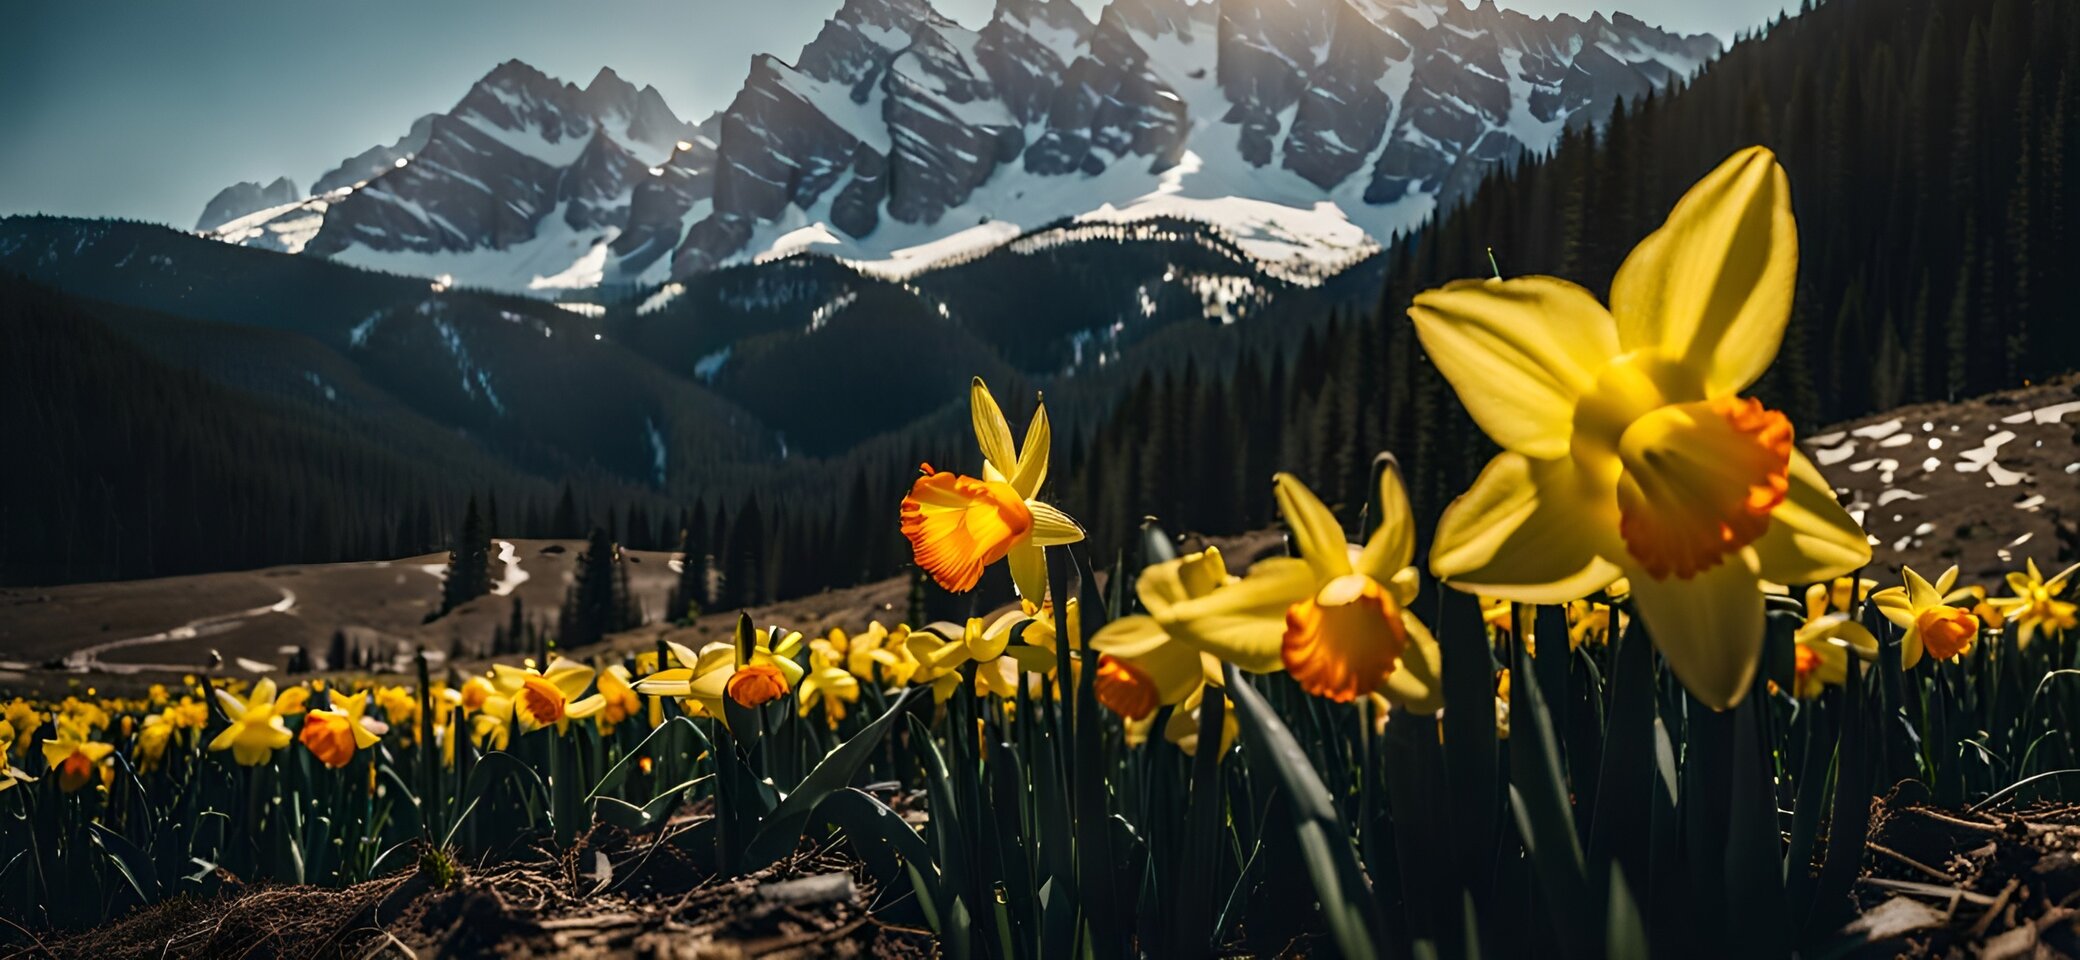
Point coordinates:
[(1316, 533), (1028, 569), (1393, 543), (1175, 669), (1810, 537), (1031, 470), (1052, 527), (1129, 638), (991, 432), (1708, 627), (1524, 531), (1244, 622), (1712, 287), (1416, 684), (1519, 353)]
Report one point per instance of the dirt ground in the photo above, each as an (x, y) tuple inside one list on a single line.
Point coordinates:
[(612, 896), (1993, 884)]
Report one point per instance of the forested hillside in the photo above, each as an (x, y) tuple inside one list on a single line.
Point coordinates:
[(1928, 143)]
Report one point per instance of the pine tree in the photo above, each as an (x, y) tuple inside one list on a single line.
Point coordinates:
[(685, 602), (469, 566), (595, 604)]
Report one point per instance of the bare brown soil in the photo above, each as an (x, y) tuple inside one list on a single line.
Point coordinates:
[(611, 896), (1965, 883)]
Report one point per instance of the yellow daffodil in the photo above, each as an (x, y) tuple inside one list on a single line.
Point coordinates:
[(1628, 449), (24, 719), (292, 701), (1924, 611), (1352, 634), (827, 683), (401, 707), (333, 735), (476, 692), (76, 759), (256, 730), (757, 669), (548, 698), (940, 654), (958, 525), (1183, 727), (153, 737), (1143, 666), (491, 726), (1840, 595), (9, 773), (879, 652), (619, 694), (2035, 606), (1820, 653), (1975, 600)]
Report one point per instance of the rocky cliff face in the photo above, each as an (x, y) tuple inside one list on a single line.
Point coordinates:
[(524, 177), (1294, 124)]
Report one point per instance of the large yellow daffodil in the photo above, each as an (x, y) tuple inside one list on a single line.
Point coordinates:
[(1924, 611), (1627, 447), (256, 729), (959, 525), (2035, 606)]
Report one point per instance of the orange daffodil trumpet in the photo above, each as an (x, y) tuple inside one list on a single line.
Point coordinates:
[(1628, 449), (958, 525)]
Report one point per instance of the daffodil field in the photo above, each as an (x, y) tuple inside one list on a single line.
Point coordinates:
[(1631, 694)]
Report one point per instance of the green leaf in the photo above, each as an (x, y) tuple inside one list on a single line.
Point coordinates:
[(1625, 934), (782, 829), (490, 770), (1624, 789), (670, 739), (134, 864), (888, 844), (1471, 755), (628, 816), (1538, 798), (1324, 842)]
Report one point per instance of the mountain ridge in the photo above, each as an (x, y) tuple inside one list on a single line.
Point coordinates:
[(1313, 129)]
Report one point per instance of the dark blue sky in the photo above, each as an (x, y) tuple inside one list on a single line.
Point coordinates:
[(145, 108)]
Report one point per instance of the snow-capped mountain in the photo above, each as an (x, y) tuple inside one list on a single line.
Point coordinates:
[(1310, 130), (521, 185), (244, 197)]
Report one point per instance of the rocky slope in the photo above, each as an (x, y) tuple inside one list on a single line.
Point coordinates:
[(1309, 129)]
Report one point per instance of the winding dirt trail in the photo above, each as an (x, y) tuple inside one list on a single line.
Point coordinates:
[(89, 658)]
